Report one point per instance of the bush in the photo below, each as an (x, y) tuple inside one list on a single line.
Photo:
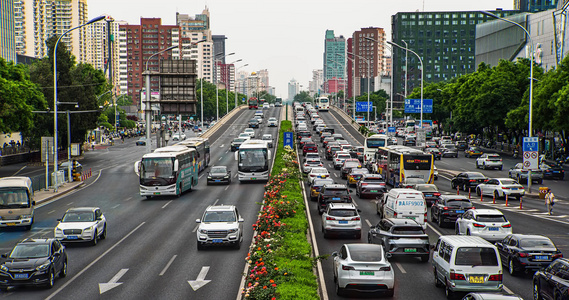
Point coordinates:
[(281, 266)]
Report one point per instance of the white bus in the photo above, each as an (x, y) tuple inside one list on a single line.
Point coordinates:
[(322, 103), (372, 143), (169, 170), (253, 159), (16, 202)]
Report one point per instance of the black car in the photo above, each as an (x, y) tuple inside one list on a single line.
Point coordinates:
[(400, 237), (521, 252), (448, 208), (357, 152), (253, 123), (347, 168), (553, 281), (468, 180), (219, 174), (552, 171), (33, 262), (371, 185), (337, 193), (461, 145), (437, 154), (141, 141), (430, 191), (237, 143)]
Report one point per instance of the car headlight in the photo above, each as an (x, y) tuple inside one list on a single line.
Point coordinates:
[(26, 216), (203, 231), (4, 268), (43, 267), (208, 176), (233, 230), (58, 230), (89, 228), (226, 176)]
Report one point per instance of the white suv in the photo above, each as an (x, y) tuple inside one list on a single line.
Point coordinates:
[(489, 224), (220, 225), (342, 218), (489, 161)]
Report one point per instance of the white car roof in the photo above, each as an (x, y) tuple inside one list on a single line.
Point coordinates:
[(486, 212), (319, 170)]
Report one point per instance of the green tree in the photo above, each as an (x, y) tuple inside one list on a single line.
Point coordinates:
[(303, 96)]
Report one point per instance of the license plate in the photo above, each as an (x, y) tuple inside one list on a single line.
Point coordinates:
[(541, 257), (373, 191), (217, 180), (343, 222), (156, 193), (11, 224), (336, 198), (555, 171), (428, 195), (367, 273), (253, 178), (412, 218), (514, 189), (493, 228), (21, 276), (217, 240), (459, 211), (72, 237), (476, 279), (322, 176), (410, 250)]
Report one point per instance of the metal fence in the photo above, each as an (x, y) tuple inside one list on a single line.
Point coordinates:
[(39, 182)]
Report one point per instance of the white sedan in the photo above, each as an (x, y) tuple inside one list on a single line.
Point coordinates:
[(272, 122), (81, 224), (489, 224), (363, 267), (500, 187), (317, 172), (178, 136), (250, 132)]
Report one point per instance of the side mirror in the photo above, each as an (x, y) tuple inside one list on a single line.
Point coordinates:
[(432, 246), (351, 191), (359, 210), (236, 155), (176, 165), (58, 220), (241, 220), (198, 221), (334, 254), (5, 255), (99, 218), (33, 203)]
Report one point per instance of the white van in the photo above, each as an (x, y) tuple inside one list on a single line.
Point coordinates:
[(16, 202), (466, 264), (401, 203)]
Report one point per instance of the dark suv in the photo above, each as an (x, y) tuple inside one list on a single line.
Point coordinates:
[(448, 208), (333, 193), (33, 262)]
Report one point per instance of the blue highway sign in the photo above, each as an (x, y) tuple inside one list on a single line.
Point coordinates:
[(531, 143), (414, 106), (363, 106), (287, 139)]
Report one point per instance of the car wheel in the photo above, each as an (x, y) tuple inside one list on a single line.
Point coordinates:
[(453, 185), (237, 244), (448, 293), (104, 234), (540, 181), (200, 245), (496, 195), (456, 229), (432, 216), (468, 232), (95, 239), (440, 222), (500, 168), (358, 235), (477, 166), (536, 292), (63, 271), (438, 283), (339, 290), (511, 267), (50, 279), (478, 191)]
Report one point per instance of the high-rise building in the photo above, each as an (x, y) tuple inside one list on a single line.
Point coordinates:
[(334, 57), (98, 51), (293, 89), (263, 79), (534, 5), (38, 20), (368, 53), (7, 34), (219, 47), (143, 41), (315, 85), (191, 31), (445, 41), (226, 75)]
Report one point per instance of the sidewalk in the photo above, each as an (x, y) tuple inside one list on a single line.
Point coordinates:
[(42, 196)]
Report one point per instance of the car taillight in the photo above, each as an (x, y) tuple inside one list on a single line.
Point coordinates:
[(558, 255), (472, 180), (330, 218), (356, 219), (522, 254), (321, 165), (306, 165), (445, 208), (507, 226), (386, 269), (394, 214), (311, 175), (457, 276), (436, 194), (495, 277), (479, 225), (347, 268), (505, 188)]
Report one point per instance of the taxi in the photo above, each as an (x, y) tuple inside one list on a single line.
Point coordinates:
[(356, 174), (317, 185), (473, 152)]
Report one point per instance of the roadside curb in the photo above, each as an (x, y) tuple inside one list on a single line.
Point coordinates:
[(347, 118), (61, 193), (222, 121)]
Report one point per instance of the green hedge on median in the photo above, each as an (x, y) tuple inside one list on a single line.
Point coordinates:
[(281, 265)]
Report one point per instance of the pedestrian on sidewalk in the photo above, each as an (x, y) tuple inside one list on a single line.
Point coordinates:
[(549, 201)]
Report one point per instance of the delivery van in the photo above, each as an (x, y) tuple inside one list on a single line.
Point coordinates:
[(16, 202), (401, 203)]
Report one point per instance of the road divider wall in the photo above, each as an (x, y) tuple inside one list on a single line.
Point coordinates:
[(280, 261)]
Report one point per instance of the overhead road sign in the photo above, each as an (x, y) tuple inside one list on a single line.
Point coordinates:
[(413, 106)]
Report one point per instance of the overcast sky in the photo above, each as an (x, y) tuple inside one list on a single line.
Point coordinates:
[(285, 37)]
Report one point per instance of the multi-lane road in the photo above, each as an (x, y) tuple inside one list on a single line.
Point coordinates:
[(150, 251)]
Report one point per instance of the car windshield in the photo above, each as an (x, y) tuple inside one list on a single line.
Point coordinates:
[(407, 230), (219, 169), (476, 256), (14, 198), (509, 182), (366, 254), (476, 175), (30, 251), (77, 216), (426, 188), (319, 171), (335, 192), (351, 164), (491, 218), (372, 180), (322, 182), (459, 203), (267, 137), (238, 140), (536, 243), (343, 212), (219, 216)]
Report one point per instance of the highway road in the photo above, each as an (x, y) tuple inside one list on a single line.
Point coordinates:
[(414, 280), (150, 251)]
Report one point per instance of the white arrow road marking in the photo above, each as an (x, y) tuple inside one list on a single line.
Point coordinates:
[(103, 287), (200, 281), (221, 146)]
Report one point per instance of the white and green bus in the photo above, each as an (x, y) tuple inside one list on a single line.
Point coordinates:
[(170, 170), (323, 104)]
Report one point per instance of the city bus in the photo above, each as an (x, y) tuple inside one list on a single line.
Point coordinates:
[(16, 202), (396, 163), (201, 145), (253, 159), (322, 104), (253, 103), (372, 143), (169, 170)]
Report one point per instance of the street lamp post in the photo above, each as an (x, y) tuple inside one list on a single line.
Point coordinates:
[(216, 85), (148, 109), (55, 92), (530, 118), (353, 89), (227, 92), (235, 87), (421, 61), (406, 61), (368, 80), (391, 89)]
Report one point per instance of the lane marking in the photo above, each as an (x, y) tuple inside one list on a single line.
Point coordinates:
[(167, 265), (50, 212), (220, 158), (335, 175), (226, 187), (167, 203), (196, 228), (93, 262), (222, 145), (214, 203), (128, 199), (70, 203), (400, 267), (200, 177), (115, 206), (368, 222)]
